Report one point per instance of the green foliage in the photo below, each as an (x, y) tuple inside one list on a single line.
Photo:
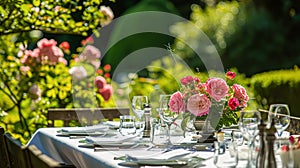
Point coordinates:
[(26, 107), (217, 22), (21, 24), (253, 36), (53, 16), (278, 86)]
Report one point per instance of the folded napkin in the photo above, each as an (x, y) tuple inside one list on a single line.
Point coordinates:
[(112, 124), (110, 140), (172, 154), (88, 129)]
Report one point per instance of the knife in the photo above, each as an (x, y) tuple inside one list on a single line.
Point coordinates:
[(155, 162)]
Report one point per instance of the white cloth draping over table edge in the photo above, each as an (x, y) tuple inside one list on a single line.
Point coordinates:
[(66, 150)]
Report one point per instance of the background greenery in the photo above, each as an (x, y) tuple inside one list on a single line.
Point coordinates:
[(256, 38)]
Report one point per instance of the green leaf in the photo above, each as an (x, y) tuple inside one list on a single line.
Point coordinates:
[(25, 8), (62, 94), (36, 3), (3, 12)]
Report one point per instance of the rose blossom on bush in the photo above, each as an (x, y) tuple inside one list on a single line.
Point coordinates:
[(100, 82), (46, 53), (106, 92), (50, 52), (176, 103), (91, 55), (108, 15)]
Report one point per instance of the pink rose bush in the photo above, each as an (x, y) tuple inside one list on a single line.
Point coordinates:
[(48, 60), (198, 98)]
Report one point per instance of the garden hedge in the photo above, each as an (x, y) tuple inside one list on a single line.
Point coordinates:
[(278, 86)]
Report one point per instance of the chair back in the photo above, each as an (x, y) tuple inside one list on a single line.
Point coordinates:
[(40, 160), (3, 151), (84, 115), (17, 152)]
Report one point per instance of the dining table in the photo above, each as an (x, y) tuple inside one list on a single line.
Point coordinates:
[(86, 148)]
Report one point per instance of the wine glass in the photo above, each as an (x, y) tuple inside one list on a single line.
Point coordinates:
[(138, 104), (248, 124), (165, 114), (281, 115)]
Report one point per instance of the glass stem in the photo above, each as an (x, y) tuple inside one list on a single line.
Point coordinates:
[(250, 145), (169, 132)]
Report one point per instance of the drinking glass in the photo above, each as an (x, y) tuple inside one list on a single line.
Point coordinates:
[(165, 114), (281, 115), (284, 153), (223, 157), (158, 134), (237, 137), (138, 104), (127, 125), (248, 124)]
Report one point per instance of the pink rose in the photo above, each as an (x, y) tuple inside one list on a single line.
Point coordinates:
[(49, 51), (230, 75), (31, 57), (92, 55), (106, 92), (217, 88), (240, 92), (100, 82), (44, 43), (176, 102), (62, 60), (24, 69), (233, 103), (108, 15), (198, 104), (186, 80)]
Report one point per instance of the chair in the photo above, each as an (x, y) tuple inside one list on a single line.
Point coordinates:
[(87, 115), (17, 152), (3, 151), (40, 160)]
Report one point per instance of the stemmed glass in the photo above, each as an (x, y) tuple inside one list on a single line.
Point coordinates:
[(138, 104), (165, 114), (248, 124), (281, 115)]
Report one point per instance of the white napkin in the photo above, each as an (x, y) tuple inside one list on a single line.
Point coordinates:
[(88, 129), (166, 155), (117, 139), (112, 124)]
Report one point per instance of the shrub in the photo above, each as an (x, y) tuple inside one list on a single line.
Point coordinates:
[(278, 86)]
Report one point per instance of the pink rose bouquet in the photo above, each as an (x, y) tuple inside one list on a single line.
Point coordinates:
[(199, 99)]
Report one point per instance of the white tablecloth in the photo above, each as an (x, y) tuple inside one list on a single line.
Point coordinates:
[(66, 150)]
